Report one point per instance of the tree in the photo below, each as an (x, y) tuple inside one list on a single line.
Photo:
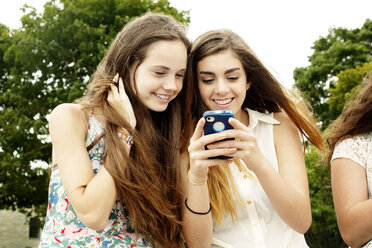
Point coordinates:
[(324, 230), (46, 62), (348, 81), (341, 50)]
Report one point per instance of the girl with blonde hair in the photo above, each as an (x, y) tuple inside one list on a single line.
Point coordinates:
[(260, 197)]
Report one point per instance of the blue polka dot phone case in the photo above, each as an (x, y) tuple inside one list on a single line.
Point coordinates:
[(216, 121)]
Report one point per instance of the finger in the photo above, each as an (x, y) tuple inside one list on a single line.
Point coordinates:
[(109, 95), (121, 86), (212, 138), (206, 154), (238, 144), (222, 144), (207, 158), (219, 152), (235, 138), (114, 91), (198, 130), (238, 125), (115, 79)]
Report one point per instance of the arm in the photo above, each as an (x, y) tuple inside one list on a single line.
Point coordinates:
[(198, 229), (350, 196), (92, 196), (287, 190)]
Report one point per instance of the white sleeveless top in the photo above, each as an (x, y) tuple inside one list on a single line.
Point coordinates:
[(257, 225)]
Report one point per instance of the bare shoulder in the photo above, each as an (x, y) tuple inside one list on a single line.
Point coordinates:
[(66, 111), (286, 132), (285, 122), (68, 115)]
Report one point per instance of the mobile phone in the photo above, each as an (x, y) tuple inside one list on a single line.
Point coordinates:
[(216, 121)]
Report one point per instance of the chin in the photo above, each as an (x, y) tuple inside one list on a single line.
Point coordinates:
[(158, 108)]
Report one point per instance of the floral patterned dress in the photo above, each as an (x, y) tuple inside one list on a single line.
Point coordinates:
[(63, 227)]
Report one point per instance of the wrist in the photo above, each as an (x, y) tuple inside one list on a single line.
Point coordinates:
[(123, 134), (197, 181), (263, 168)]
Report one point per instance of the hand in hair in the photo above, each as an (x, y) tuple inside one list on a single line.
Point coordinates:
[(119, 100)]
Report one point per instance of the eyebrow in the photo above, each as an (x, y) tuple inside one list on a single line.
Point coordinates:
[(167, 68), (206, 72), (161, 66), (232, 70), (226, 72)]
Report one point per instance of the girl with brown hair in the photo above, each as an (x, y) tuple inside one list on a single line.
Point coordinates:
[(350, 156), (260, 197), (117, 148)]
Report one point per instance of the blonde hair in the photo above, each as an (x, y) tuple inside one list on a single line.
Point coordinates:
[(265, 95), (220, 181)]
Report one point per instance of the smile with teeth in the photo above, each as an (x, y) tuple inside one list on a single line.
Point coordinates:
[(163, 97), (223, 101)]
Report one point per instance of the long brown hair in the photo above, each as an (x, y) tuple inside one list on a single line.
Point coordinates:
[(356, 117), (146, 179), (265, 95)]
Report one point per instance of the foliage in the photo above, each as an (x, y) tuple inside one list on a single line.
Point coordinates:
[(339, 63), (323, 231), (46, 62), (348, 81), (340, 50)]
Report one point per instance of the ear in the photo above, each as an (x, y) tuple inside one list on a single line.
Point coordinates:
[(248, 85)]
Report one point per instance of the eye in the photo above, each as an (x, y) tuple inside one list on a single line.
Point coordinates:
[(180, 75), (232, 78), (159, 73), (207, 80)]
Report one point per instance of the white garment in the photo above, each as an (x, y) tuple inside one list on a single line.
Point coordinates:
[(258, 225), (359, 150)]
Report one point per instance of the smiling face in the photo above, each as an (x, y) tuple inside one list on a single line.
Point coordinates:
[(159, 77), (222, 82)]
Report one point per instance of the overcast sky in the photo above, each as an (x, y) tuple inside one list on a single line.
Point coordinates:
[(281, 32)]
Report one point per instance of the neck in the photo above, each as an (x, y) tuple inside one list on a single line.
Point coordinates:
[(242, 116)]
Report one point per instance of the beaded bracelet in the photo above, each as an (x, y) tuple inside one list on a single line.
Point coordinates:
[(198, 213), (125, 137)]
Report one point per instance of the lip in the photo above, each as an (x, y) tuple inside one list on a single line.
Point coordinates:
[(162, 97), (223, 103)]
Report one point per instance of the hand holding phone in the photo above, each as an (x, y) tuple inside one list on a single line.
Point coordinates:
[(217, 121)]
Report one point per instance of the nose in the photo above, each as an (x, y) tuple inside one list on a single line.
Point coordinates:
[(170, 84), (221, 87)]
